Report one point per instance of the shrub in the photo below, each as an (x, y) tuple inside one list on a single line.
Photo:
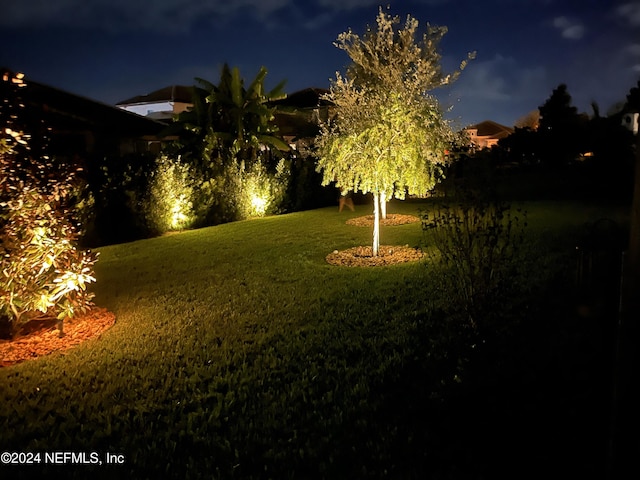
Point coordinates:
[(305, 184), (477, 241), (119, 185), (169, 202), (254, 191), (43, 274)]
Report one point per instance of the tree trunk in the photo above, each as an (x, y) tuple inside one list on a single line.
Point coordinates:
[(376, 223), (383, 205)]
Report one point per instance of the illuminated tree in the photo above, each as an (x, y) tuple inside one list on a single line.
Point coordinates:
[(391, 58), (388, 136), (43, 275)]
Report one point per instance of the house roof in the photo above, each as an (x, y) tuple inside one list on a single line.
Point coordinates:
[(172, 93), (307, 98), (296, 115), (296, 126), (489, 128), (66, 110)]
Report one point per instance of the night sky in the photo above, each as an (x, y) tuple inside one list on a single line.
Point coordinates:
[(111, 50)]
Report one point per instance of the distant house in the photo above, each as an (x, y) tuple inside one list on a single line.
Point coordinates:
[(487, 134), (160, 104), (299, 116), (78, 126)]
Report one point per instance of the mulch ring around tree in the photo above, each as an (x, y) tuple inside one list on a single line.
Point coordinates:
[(41, 337), (392, 219), (363, 256)]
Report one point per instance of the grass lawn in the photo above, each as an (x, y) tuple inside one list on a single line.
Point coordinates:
[(238, 352)]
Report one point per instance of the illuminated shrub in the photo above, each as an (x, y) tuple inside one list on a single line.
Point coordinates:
[(254, 191), (43, 275), (169, 204)]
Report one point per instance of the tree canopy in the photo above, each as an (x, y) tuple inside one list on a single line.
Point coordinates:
[(383, 145), (393, 59), (389, 135), (557, 112), (245, 120), (562, 129), (230, 118)]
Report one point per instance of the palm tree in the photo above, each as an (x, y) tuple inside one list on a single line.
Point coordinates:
[(191, 127), (245, 119), (228, 121)]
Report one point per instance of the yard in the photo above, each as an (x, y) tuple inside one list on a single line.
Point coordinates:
[(239, 352)]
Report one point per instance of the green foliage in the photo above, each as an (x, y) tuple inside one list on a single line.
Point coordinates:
[(478, 242), (245, 121), (389, 135), (239, 191), (392, 57), (119, 186), (169, 202), (233, 149), (230, 121), (253, 191), (399, 150), (43, 273)]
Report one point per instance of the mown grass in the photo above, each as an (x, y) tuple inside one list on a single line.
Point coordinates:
[(239, 352)]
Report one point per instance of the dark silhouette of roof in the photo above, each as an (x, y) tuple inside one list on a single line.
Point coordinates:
[(173, 93), (77, 125), (66, 110), (295, 114), (307, 98), (299, 114), (489, 128)]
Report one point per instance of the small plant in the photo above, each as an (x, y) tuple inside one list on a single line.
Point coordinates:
[(477, 241)]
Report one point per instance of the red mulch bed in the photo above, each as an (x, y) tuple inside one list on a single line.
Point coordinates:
[(41, 337), (387, 254), (392, 219), (363, 256)]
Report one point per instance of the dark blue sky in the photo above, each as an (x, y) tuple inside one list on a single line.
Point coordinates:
[(110, 50)]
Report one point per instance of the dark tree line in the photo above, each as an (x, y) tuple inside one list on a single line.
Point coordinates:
[(591, 151), (565, 136)]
